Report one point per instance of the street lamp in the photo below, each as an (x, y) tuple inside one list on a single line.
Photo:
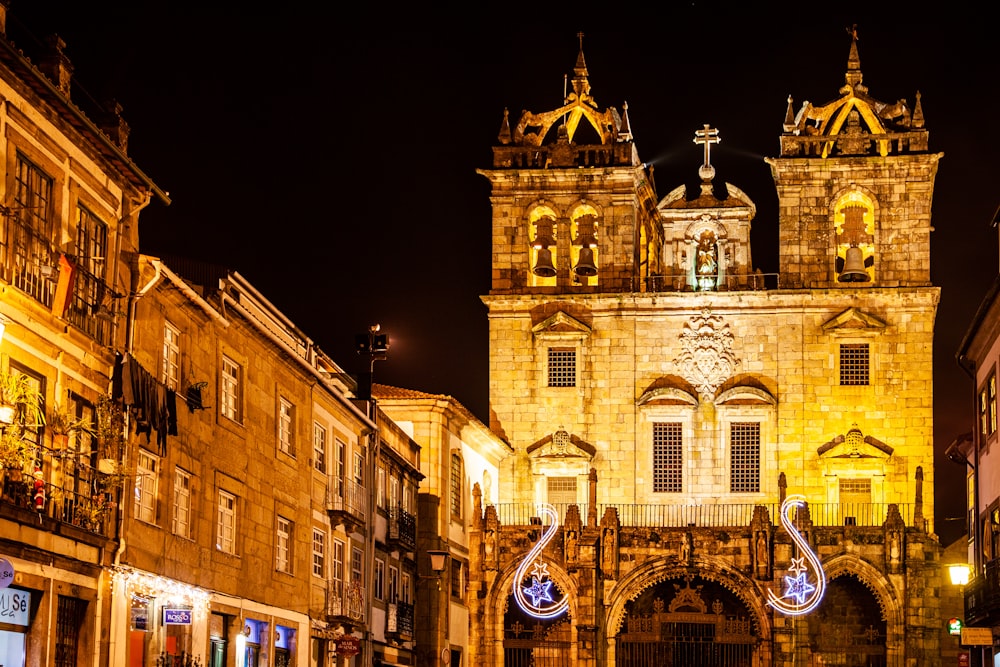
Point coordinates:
[(374, 345), (437, 560), (959, 573)]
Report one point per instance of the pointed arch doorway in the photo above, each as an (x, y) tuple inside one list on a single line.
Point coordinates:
[(687, 621)]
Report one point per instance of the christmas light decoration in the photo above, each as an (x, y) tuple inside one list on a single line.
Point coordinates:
[(541, 605), (805, 596)]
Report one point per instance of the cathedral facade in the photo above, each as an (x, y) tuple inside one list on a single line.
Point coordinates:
[(712, 465)]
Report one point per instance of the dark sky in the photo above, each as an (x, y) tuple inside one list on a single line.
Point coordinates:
[(329, 154)]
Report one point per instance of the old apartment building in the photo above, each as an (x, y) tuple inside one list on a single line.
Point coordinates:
[(665, 398)]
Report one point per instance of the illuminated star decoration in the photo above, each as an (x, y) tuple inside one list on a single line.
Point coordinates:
[(803, 595), (541, 604), (539, 591)]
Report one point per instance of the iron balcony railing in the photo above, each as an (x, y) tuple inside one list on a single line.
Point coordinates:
[(347, 498), (95, 513), (346, 600), (716, 515), (982, 596), (403, 528), (399, 620)]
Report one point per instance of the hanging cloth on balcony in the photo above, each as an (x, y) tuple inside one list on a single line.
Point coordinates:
[(152, 404), (64, 287)]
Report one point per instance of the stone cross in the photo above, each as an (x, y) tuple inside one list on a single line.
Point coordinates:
[(707, 137)]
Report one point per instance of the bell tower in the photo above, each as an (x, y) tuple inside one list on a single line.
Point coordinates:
[(573, 205), (844, 220)]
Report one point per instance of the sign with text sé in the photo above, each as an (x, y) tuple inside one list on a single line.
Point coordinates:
[(14, 606)]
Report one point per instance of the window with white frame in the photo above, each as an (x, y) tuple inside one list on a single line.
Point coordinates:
[(854, 364), (145, 486), (744, 457), (357, 569), (319, 447), (337, 566), (988, 406), (319, 553), (171, 375), (393, 492), (378, 584), (668, 457), (339, 467), (393, 584), (380, 488), (283, 545), (225, 540), (359, 468), (405, 592), (232, 390), (182, 503), (286, 426)]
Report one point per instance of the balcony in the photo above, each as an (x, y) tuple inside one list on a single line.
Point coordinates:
[(403, 529), (730, 283), (63, 510), (346, 503), (982, 596), (345, 603), (861, 515), (399, 620)]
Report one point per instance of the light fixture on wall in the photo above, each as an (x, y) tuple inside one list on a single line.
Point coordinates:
[(959, 573)]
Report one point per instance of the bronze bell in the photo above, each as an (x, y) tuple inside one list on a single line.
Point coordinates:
[(854, 267), (585, 266), (543, 264)]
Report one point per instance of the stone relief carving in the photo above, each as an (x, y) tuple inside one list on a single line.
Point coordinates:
[(707, 358)]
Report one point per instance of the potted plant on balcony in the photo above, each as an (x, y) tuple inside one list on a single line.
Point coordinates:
[(62, 424), (20, 410)]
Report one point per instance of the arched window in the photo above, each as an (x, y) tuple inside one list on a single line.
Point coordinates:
[(584, 249), (854, 228), (542, 252)]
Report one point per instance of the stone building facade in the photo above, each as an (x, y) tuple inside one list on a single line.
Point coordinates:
[(273, 513), (70, 201), (669, 400)]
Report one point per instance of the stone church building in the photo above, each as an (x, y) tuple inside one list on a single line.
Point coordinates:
[(712, 465)]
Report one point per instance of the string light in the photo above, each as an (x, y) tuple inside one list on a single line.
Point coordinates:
[(143, 587), (540, 590), (805, 595)]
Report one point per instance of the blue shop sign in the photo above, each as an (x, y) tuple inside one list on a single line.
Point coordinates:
[(176, 616)]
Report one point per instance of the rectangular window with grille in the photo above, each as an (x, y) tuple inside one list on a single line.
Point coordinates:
[(455, 486), (70, 614), (562, 367), (854, 364), (668, 457), (92, 306), (744, 457), (145, 487), (562, 490)]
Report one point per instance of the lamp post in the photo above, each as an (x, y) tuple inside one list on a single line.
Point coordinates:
[(375, 346)]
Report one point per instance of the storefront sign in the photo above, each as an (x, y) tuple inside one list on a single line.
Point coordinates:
[(177, 616), (348, 646), (139, 616), (977, 636), (14, 605), (6, 573)]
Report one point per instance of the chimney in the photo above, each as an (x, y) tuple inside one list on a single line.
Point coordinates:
[(55, 65), (113, 125)]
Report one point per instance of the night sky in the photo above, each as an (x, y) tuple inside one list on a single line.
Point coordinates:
[(329, 154)]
